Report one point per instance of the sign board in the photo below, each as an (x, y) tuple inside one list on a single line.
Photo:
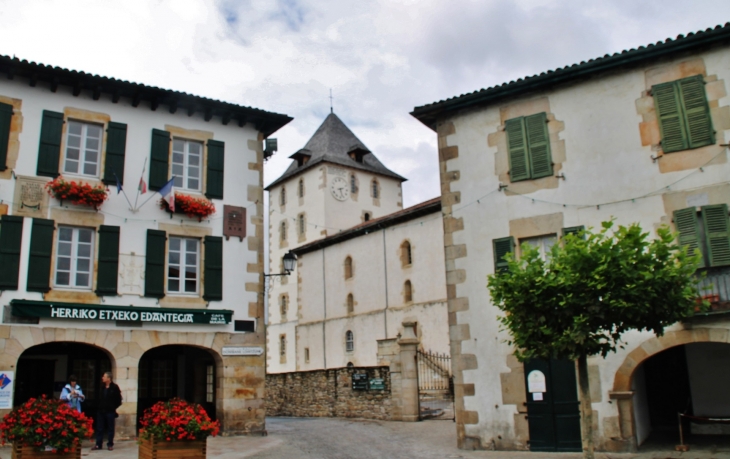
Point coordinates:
[(31, 199), (359, 381), (377, 384), (242, 350), (234, 222), (7, 379), (536, 381)]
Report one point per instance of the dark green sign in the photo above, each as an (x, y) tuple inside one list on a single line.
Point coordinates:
[(75, 311), (359, 381), (377, 384)]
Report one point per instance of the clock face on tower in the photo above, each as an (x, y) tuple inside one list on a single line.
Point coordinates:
[(339, 189)]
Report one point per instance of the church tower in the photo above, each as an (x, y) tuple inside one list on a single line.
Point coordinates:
[(333, 183)]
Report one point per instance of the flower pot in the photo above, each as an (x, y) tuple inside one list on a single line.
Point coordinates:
[(31, 452), (153, 448)]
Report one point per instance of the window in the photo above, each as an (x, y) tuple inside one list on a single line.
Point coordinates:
[(209, 383), (187, 161), (306, 355), (83, 149), (366, 216), (282, 346), (353, 184), (406, 254), (542, 243), (284, 307), (349, 341), (348, 267), (375, 189), (302, 224), (708, 232), (528, 142), (74, 257), (301, 188), (407, 292), (282, 197), (683, 113), (182, 265), (350, 304), (282, 231)]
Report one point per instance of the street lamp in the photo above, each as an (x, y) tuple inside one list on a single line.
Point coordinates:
[(290, 261)]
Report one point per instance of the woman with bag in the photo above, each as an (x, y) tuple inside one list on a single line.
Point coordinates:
[(72, 394)]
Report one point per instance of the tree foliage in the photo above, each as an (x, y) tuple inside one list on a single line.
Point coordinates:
[(592, 289)]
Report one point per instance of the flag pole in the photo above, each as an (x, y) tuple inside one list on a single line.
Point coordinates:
[(153, 195), (120, 188), (135, 209)]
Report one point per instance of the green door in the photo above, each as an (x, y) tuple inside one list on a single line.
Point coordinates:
[(553, 412)]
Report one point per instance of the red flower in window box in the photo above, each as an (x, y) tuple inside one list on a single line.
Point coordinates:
[(177, 420), (78, 193), (191, 206)]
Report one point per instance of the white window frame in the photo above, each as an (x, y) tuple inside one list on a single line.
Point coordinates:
[(543, 243), (185, 177), (74, 258), (83, 150), (182, 265)]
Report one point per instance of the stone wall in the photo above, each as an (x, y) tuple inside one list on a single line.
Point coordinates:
[(328, 393)]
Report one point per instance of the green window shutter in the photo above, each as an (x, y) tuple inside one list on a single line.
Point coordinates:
[(669, 114), (696, 112), (538, 142), (519, 165), (159, 159), (39, 261), (213, 288), (573, 230), (686, 223), (502, 247), (717, 233), (11, 236), (49, 151), (214, 174), (6, 118), (108, 262), (116, 144), (154, 274)]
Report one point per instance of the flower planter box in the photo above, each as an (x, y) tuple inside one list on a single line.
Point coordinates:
[(31, 452), (155, 449)]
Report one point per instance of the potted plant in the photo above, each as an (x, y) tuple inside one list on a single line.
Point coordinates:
[(44, 428), (78, 193), (178, 428), (191, 206)]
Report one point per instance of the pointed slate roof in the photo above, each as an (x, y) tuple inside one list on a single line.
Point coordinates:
[(331, 143)]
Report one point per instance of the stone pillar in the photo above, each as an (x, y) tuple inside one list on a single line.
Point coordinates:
[(408, 343), (625, 402)]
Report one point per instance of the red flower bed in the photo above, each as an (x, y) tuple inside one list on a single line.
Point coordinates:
[(78, 193), (176, 420), (42, 422), (193, 207)]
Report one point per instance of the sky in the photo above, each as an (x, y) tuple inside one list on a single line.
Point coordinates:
[(380, 59)]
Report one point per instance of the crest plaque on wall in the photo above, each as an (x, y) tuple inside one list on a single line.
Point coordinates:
[(234, 222)]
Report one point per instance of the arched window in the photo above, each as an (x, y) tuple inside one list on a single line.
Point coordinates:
[(348, 267), (350, 304), (407, 292), (349, 341), (366, 216), (406, 253), (284, 307), (375, 189), (282, 197), (353, 184), (301, 188), (282, 230), (282, 345), (302, 227)]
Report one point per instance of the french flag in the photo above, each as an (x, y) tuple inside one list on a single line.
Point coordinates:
[(168, 193)]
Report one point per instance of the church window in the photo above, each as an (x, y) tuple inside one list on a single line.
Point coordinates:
[(375, 189), (302, 224), (366, 216), (349, 341), (353, 184), (407, 292), (350, 304), (282, 197), (282, 346), (348, 267), (284, 307), (301, 188), (282, 231), (406, 254), (306, 355)]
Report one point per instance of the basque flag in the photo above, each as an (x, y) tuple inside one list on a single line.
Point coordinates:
[(168, 193)]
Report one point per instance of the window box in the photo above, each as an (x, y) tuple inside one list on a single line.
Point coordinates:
[(191, 206), (78, 193)]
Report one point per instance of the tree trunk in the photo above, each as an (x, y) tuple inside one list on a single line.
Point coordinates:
[(586, 410)]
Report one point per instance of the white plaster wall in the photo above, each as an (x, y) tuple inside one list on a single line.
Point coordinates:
[(140, 121)]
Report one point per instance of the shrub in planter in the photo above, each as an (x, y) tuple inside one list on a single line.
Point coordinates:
[(177, 420), (191, 206)]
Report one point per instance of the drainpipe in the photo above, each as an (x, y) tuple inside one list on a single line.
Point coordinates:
[(324, 320), (385, 271)]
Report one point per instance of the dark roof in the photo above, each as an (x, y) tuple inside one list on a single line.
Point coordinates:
[(429, 114), (331, 143), (411, 213), (263, 121)]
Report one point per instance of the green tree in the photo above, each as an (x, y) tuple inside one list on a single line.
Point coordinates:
[(589, 291)]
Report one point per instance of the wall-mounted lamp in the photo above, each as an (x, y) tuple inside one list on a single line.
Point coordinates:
[(270, 146), (290, 261)]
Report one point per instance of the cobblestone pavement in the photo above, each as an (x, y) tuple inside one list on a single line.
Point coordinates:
[(338, 438)]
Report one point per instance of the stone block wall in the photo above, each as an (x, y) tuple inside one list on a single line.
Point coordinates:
[(328, 393)]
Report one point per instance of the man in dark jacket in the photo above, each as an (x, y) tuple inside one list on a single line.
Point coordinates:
[(110, 399)]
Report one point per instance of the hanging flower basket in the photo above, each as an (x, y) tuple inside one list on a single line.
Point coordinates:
[(43, 427), (178, 428), (191, 206), (78, 193)]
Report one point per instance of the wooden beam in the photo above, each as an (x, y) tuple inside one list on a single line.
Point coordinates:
[(208, 114), (226, 119), (54, 84), (155, 103), (97, 93), (33, 80), (77, 89), (115, 96), (136, 100), (173, 106), (191, 110)]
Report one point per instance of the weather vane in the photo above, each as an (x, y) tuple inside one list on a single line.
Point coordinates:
[(331, 110)]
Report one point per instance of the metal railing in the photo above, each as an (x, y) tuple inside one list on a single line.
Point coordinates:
[(715, 286)]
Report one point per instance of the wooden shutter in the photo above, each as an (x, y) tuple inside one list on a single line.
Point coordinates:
[(502, 247), (39, 261), (669, 114), (49, 151), (159, 159), (717, 234), (116, 145), (573, 230), (696, 112), (685, 220), (154, 275), (6, 119), (519, 167), (538, 142), (213, 274), (11, 236), (108, 262), (214, 174)]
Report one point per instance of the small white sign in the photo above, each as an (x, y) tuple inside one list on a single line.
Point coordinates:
[(537, 397), (7, 380), (536, 381), (242, 350)]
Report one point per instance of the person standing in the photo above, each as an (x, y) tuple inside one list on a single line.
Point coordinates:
[(110, 399), (72, 394)]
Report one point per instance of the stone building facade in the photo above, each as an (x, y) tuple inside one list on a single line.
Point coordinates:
[(638, 136)]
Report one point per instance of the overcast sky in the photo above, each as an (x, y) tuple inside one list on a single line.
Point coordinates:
[(380, 58)]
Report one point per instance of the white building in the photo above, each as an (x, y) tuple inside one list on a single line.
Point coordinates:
[(151, 295), (639, 136)]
